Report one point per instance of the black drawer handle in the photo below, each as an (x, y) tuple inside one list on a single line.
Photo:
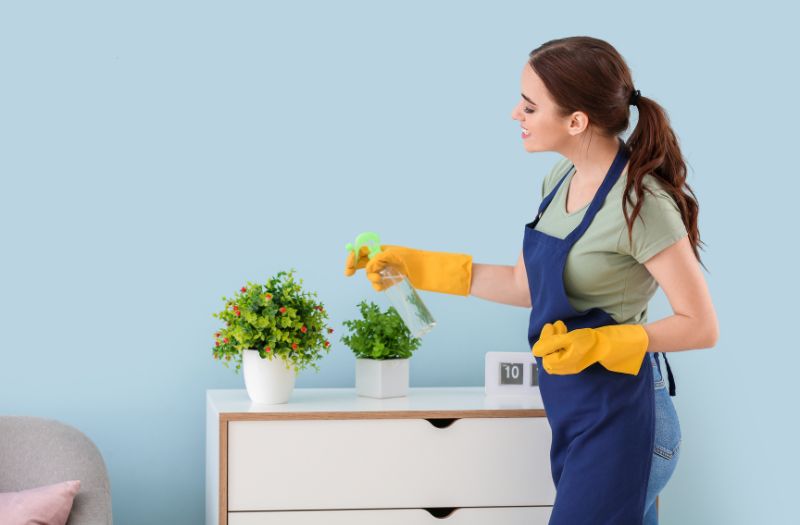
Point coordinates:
[(442, 422), (441, 512)]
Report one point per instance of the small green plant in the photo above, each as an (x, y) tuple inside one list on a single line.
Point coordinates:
[(379, 335), (277, 319)]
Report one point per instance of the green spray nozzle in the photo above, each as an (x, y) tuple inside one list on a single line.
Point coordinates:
[(370, 239)]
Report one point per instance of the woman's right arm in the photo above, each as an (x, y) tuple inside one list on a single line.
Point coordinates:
[(501, 284)]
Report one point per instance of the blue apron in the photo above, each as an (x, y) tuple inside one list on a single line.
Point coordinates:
[(602, 422)]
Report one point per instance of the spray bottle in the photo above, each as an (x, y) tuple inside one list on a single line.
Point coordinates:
[(397, 287)]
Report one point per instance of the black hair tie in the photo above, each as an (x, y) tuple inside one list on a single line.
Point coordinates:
[(634, 100)]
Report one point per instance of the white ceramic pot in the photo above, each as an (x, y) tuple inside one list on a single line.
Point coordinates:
[(268, 381), (382, 378)]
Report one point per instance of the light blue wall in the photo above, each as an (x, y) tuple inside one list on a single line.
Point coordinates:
[(156, 155)]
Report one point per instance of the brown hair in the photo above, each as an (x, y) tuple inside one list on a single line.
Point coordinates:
[(588, 74)]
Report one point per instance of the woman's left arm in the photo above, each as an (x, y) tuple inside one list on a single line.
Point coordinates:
[(694, 321)]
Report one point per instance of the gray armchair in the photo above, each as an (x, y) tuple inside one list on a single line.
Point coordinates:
[(36, 452)]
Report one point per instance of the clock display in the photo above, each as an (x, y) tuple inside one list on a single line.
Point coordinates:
[(511, 373)]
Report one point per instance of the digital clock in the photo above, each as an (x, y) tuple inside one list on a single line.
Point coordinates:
[(511, 373)]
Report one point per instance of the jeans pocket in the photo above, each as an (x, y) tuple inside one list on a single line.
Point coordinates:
[(666, 452), (662, 467), (666, 446), (667, 440)]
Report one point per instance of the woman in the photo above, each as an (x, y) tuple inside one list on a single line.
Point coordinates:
[(588, 268)]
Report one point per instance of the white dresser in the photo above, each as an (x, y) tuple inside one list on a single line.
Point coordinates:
[(441, 455)]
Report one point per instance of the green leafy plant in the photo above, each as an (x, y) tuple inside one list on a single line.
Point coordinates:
[(379, 335), (278, 319)]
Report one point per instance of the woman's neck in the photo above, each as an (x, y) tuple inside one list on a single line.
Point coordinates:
[(593, 162)]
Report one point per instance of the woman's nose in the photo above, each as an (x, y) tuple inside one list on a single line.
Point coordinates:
[(515, 113)]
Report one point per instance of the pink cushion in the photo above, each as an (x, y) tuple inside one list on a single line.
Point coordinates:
[(48, 505)]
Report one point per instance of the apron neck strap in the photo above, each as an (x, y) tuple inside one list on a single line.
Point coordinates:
[(597, 201)]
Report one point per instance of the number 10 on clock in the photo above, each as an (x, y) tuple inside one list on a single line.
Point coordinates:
[(511, 373)]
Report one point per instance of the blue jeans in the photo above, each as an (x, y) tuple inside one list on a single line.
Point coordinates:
[(666, 449)]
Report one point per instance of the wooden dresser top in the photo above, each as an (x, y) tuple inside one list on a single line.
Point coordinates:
[(344, 403)]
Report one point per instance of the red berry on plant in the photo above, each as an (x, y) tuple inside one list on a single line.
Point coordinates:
[(330, 330), (282, 309), (244, 289), (225, 339), (294, 346), (303, 329), (216, 343)]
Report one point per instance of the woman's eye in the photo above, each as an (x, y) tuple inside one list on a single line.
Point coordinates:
[(528, 110)]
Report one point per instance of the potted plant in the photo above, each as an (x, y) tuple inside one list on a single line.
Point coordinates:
[(383, 345), (274, 330)]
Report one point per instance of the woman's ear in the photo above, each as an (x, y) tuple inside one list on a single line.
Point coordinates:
[(577, 123)]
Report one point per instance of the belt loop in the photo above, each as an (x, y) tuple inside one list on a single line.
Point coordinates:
[(671, 378)]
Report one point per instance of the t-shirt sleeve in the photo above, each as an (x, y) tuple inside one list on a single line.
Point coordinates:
[(658, 226)]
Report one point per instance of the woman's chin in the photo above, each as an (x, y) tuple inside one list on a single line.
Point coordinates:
[(529, 147)]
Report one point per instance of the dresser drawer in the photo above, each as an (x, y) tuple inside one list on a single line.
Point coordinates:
[(389, 464), (462, 516)]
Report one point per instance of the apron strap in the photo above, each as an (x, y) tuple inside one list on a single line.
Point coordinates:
[(610, 179), (669, 375)]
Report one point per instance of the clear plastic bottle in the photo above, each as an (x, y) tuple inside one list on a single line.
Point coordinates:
[(407, 302), (398, 289)]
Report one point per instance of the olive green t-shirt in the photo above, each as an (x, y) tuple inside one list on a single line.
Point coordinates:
[(602, 269)]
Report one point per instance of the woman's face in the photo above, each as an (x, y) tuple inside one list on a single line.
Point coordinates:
[(536, 113)]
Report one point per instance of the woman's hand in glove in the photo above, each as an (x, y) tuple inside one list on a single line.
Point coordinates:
[(387, 256), (619, 348), (431, 271), (350, 265)]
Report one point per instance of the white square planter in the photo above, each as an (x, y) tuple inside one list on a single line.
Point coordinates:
[(382, 378)]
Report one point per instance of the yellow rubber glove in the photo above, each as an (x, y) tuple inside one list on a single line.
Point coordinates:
[(619, 348), (431, 271)]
